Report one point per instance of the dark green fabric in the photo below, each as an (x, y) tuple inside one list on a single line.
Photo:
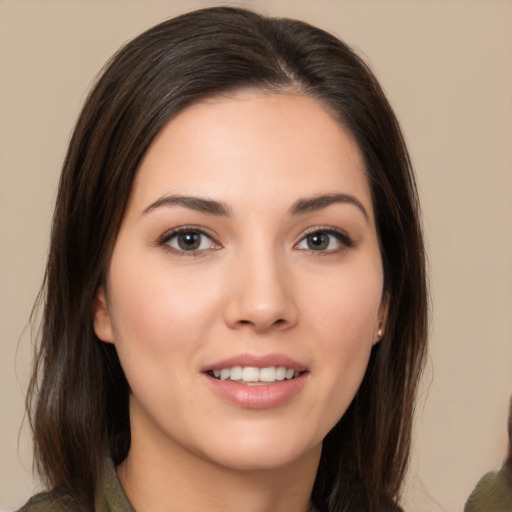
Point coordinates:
[(493, 493), (110, 497)]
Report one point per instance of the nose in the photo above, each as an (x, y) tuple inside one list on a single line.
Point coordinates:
[(261, 294)]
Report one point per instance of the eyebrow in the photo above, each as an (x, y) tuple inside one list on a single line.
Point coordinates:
[(218, 208), (323, 201), (199, 204)]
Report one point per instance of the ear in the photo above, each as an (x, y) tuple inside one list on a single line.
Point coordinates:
[(382, 318), (101, 317)]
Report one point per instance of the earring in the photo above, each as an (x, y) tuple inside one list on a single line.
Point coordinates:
[(379, 333)]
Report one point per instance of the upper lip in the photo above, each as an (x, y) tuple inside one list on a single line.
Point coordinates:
[(257, 361)]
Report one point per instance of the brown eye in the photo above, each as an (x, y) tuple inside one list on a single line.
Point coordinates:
[(318, 241), (188, 240), (328, 240)]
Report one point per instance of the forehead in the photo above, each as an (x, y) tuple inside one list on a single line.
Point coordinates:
[(252, 145)]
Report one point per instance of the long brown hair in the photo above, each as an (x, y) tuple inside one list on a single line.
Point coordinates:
[(78, 397)]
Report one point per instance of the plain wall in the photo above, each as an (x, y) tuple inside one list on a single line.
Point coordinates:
[(447, 68)]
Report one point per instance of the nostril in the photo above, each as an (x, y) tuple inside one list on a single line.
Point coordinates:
[(280, 322), (253, 309)]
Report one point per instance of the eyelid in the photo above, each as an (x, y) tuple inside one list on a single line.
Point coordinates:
[(345, 240), (163, 240)]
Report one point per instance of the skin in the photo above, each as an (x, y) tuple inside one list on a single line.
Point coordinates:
[(256, 285)]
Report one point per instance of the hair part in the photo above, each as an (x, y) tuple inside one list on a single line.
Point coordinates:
[(78, 396)]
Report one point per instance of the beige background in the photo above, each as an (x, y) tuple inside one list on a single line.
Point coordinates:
[(447, 68)]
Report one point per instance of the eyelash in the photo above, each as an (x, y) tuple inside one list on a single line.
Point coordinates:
[(345, 241), (341, 236), (184, 230)]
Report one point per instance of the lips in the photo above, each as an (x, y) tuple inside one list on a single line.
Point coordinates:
[(258, 361), (257, 381)]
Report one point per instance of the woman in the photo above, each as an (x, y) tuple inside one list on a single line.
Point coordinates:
[(235, 299)]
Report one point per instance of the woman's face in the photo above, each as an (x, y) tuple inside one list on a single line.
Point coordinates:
[(244, 292)]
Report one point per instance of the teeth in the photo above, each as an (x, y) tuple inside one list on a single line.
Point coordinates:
[(236, 373), (250, 374), (268, 374), (253, 374), (280, 373)]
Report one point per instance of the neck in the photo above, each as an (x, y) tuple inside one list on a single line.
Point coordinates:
[(163, 478)]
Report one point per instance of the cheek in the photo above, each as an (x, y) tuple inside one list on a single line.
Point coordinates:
[(160, 322), (344, 320), (158, 314), (346, 308)]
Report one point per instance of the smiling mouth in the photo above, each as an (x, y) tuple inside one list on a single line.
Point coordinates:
[(252, 375)]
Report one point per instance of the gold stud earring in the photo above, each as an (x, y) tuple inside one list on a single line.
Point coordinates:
[(379, 333)]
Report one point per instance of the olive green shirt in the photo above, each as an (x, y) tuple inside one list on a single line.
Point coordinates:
[(493, 493), (109, 498)]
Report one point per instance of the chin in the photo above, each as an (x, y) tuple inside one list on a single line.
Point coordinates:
[(258, 453)]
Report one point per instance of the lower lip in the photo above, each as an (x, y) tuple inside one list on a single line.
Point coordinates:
[(261, 396)]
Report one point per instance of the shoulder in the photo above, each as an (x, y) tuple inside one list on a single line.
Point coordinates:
[(109, 497), (46, 502), (492, 493)]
